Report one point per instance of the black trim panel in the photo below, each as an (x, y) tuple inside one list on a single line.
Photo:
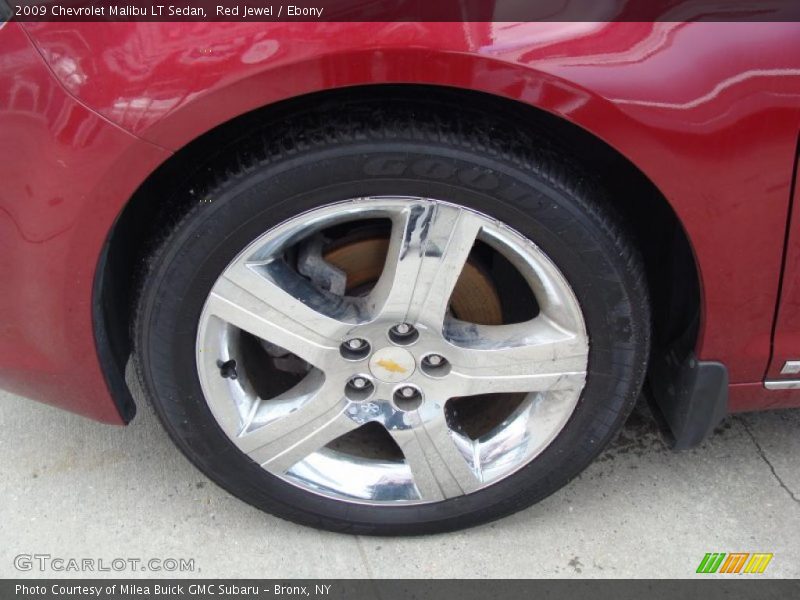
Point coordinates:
[(692, 397), (112, 360)]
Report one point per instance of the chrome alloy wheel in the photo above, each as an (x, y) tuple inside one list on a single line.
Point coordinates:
[(394, 355)]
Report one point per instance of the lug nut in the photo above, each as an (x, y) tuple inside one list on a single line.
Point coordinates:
[(435, 365), (354, 349), (358, 388), (403, 334), (407, 398)]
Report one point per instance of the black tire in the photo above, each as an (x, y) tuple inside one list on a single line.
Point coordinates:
[(497, 168)]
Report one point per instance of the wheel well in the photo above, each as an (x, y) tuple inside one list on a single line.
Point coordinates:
[(161, 200)]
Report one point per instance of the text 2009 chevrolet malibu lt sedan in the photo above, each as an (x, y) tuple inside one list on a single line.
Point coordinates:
[(400, 277)]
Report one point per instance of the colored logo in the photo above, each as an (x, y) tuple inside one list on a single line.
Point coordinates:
[(392, 366), (734, 562)]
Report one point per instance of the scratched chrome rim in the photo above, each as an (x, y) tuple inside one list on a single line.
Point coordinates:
[(297, 367)]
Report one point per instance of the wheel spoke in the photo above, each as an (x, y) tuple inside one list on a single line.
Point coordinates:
[(429, 246), (439, 467), (259, 306), (529, 357), (280, 444)]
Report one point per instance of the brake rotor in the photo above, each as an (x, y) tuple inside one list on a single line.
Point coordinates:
[(474, 298)]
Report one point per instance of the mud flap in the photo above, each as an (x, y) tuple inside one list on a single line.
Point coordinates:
[(692, 397)]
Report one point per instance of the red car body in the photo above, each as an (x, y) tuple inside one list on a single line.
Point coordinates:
[(708, 112)]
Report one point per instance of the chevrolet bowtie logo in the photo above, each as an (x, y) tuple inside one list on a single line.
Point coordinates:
[(390, 365)]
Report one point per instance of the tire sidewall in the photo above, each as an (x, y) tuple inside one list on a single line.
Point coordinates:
[(572, 232)]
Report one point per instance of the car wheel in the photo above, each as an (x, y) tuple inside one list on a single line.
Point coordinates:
[(393, 321)]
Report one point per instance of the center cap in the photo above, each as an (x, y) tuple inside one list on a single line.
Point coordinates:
[(392, 365)]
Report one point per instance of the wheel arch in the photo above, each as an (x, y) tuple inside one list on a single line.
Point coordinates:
[(672, 269)]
